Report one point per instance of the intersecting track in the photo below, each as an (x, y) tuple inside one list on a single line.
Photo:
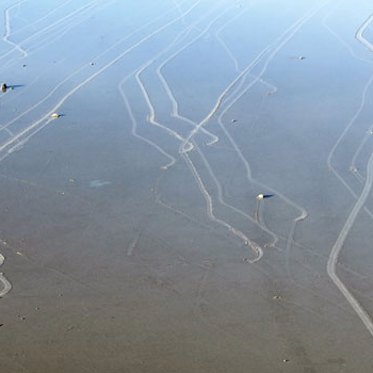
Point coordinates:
[(233, 92), (8, 29), (213, 22), (39, 124), (20, 138)]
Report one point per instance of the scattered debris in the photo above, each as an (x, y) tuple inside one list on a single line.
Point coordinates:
[(71, 180), (277, 297), (234, 120), (24, 65), (55, 115), (301, 58), (92, 63), (4, 87)]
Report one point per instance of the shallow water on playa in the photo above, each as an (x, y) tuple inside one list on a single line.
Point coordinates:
[(129, 250)]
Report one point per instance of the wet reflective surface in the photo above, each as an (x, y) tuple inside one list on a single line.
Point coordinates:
[(138, 144)]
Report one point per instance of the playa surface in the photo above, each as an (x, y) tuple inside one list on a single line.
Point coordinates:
[(201, 201)]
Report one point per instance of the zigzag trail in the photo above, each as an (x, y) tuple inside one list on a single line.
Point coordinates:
[(183, 151), (8, 29), (152, 119), (50, 26), (48, 37), (291, 32), (359, 34), (175, 113), (363, 142), (253, 245), (172, 160), (25, 135), (353, 169), (41, 122), (121, 85), (45, 36), (45, 16), (134, 127), (71, 75), (340, 138), (256, 248), (248, 68), (151, 116), (338, 37)]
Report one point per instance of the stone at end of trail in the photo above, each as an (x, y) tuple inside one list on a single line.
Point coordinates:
[(55, 115), (260, 196)]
